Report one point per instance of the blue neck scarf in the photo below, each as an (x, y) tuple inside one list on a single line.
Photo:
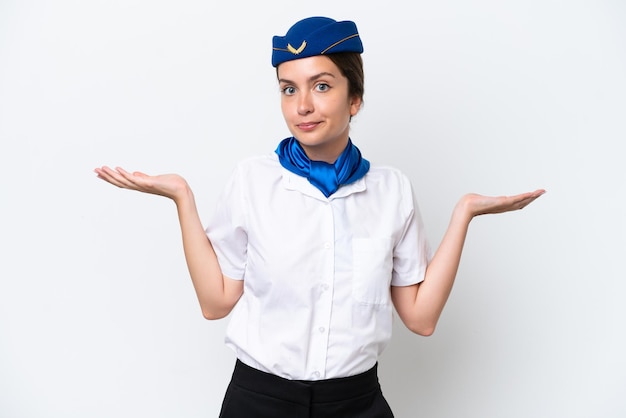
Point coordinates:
[(348, 168)]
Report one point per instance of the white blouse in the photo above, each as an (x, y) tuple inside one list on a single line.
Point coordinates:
[(317, 271)]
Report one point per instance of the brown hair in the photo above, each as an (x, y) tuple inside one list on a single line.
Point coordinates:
[(351, 66)]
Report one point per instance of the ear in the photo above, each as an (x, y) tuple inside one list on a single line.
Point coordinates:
[(355, 105)]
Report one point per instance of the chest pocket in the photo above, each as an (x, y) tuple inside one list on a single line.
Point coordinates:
[(372, 260)]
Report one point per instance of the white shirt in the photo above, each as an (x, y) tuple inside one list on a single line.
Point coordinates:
[(317, 271)]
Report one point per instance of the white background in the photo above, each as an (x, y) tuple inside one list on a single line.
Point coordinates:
[(98, 317)]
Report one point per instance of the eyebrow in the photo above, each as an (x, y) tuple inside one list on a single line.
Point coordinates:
[(312, 78)]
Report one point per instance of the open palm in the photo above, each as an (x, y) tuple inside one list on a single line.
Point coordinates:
[(168, 185)]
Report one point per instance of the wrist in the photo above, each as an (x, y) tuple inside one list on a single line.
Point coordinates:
[(183, 194), (463, 211)]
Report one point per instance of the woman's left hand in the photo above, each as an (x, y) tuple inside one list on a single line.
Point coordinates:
[(476, 204)]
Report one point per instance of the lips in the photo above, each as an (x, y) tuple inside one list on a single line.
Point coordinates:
[(307, 126)]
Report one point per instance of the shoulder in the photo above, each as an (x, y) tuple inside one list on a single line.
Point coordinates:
[(391, 185), (385, 170), (261, 165), (256, 174), (387, 176)]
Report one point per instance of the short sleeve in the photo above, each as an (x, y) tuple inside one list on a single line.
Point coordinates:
[(227, 228), (412, 252)]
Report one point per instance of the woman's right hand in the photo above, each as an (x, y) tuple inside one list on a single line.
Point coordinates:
[(172, 186)]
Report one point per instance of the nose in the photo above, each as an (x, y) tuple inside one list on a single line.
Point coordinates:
[(305, 104)]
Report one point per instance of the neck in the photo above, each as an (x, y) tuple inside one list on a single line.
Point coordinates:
[(327, 154)]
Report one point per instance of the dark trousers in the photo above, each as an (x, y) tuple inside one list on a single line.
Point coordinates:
[(256, 394)]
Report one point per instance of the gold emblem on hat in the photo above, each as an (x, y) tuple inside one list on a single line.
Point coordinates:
[(296, 51)]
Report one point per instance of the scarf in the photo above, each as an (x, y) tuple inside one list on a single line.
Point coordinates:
[(348, 168)]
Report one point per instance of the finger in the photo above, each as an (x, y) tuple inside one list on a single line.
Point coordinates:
[(111, 180), (530, 197), (131, 179), (104, 173), (139, 181), (115, 177)]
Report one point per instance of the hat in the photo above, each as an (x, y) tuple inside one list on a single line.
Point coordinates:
[(315, 36)]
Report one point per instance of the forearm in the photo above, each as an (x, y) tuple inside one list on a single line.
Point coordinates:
[(420, 306), (433, 292), (215, 295)]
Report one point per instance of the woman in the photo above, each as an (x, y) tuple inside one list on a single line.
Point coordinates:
[(311, 248)]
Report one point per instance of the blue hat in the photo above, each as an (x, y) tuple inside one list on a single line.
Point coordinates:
[(316, 36)]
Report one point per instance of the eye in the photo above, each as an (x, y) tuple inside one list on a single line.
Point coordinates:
[(322, 87), (288, 91)]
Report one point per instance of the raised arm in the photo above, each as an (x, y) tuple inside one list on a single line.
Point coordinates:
[(420, 306), (216, 293)]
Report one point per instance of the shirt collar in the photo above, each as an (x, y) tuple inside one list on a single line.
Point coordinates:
[(292, 181)]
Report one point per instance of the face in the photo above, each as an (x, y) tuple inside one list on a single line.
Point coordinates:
[(316, 105)]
